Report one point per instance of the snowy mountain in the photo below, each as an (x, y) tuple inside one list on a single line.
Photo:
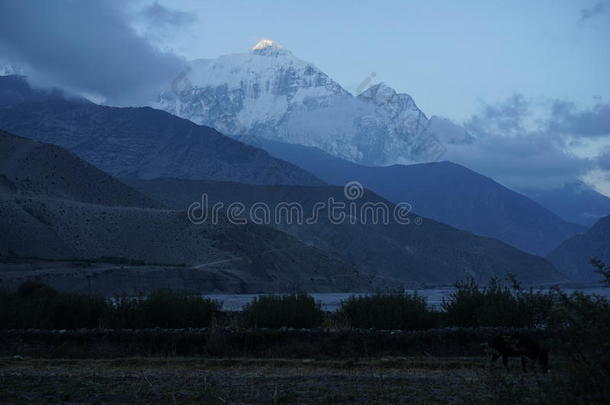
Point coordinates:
[(138, 142), (7, 69), (448, 132), (272, 94)]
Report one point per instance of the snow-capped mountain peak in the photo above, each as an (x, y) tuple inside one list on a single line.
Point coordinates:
[(270, 93), (398, 109), (266, 43), (10, 70), (381, 93), (269, 47)]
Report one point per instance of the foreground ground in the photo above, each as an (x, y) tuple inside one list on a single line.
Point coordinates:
[(269, 381)]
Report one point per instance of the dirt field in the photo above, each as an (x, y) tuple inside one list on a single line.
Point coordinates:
[(272, 381)]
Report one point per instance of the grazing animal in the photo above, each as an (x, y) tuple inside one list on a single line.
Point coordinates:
[(519, 346)]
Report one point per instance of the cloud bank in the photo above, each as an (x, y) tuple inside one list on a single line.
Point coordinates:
[(527, 145), (87, 46), (594, 122), (158, 15), (594, 11)]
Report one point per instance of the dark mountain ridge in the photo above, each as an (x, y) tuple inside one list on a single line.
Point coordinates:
[(576, 202), (573, 257), (445, 192), (421, 252)]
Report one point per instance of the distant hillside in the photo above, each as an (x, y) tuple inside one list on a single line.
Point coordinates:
[(38, 169), (446, 192), (145, 143), (55, 207), (576, 202), (428, 253), (573, 257)]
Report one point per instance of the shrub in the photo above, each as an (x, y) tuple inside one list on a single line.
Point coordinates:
[(38, 306), (276, 311), (582, 323), (496, 305), (535, 307), (602, 270), (163, 309), (124, 312), (8, 309), (29, 288), (389, 311)]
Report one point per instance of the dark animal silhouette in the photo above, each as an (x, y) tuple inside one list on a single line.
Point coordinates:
[(511, 345)]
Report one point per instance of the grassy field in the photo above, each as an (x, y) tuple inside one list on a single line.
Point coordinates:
[(386, 380)]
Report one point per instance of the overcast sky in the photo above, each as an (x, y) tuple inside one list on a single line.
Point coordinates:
[(498, 67)]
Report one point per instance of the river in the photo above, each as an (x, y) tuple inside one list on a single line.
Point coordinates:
[(332, 301)]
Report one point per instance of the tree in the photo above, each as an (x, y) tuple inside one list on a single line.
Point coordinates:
[(602, 269)]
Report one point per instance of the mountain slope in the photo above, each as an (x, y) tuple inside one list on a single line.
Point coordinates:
[(576, 202), (445, 192), (49, 212), (146, 143), (425, 253), (269, 93), (573, 257), (15, 89), (30, 168)]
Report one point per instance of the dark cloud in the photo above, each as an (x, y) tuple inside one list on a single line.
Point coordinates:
[(566, 119), (157, 14), (159, 23), (506, 117), (86, 46), (516, 148), (525, 161), (588, 13)]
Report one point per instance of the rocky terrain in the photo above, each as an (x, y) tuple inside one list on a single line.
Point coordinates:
[(56, 208), (41, 170)]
